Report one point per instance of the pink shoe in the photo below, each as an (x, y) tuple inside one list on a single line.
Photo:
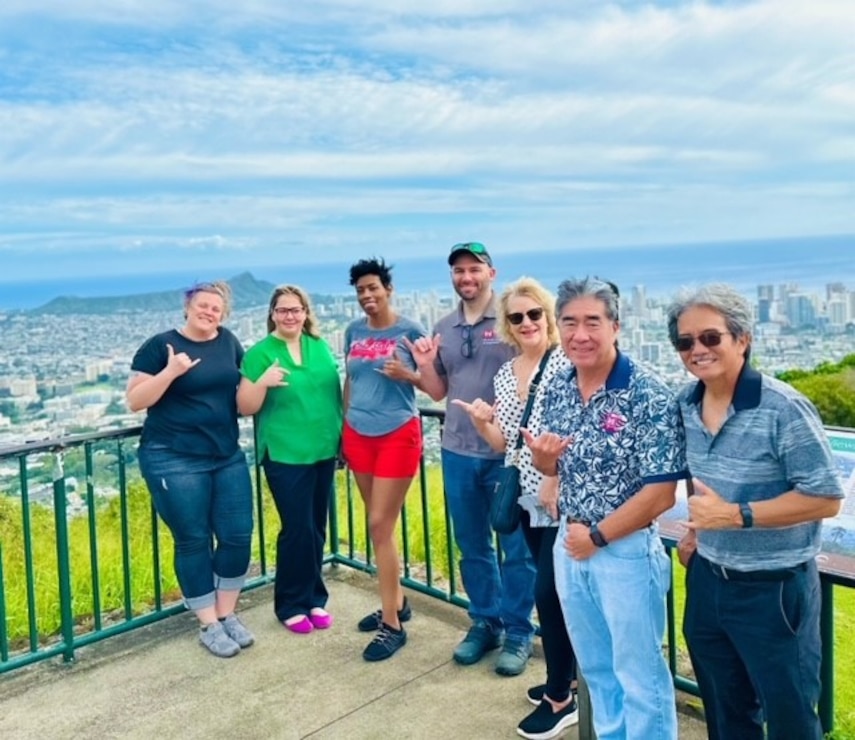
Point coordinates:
[(321, 619), (301, 626)]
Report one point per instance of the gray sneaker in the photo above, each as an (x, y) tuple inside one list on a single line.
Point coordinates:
[(513, 658), (214, 637), (237, 630)]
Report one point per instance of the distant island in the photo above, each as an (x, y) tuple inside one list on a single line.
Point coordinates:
[(247, 292)]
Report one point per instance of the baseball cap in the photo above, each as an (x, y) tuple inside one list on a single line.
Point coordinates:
[(476, 249)]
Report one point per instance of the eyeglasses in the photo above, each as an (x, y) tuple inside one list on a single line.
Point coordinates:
[(534, 314), (467, 349), (474, 247), (285, 311), (708, 338)]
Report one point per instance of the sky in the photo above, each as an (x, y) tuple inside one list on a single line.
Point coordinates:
[(145, 135)]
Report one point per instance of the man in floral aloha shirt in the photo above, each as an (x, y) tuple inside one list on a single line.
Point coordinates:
[(615, 440)]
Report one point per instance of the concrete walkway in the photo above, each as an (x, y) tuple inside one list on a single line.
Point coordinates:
[(158, 683)]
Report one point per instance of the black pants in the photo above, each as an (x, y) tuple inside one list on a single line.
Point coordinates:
[(557, 650), (302, 495)]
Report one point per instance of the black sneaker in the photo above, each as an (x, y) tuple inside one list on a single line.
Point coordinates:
[(385, 644), (535, 694), (544, 724), (372, 622), (480, 640)]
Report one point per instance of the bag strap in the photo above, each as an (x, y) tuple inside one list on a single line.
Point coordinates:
[(532, 392)]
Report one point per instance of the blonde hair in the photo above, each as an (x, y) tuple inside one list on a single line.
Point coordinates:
[(309, 325), (527, 287), (217, 287)]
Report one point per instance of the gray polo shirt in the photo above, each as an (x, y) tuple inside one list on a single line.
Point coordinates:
[(469, 357), (771, 442)]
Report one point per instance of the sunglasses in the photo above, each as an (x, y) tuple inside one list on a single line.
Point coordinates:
[(467, 348), (708, 338), (474, 247), (534, 314)]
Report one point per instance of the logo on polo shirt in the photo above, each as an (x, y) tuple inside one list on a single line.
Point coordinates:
[(490, 336)]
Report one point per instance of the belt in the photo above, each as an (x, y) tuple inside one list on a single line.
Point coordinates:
[(729, 574)]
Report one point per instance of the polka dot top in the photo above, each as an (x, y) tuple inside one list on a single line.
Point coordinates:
[(510, 409)]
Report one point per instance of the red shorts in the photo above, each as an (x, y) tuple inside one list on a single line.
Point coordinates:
[(392, 455)]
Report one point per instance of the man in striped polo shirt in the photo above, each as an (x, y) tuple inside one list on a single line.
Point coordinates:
[(764, 479)]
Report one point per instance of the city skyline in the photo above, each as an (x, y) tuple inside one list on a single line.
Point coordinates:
[(157, 134)]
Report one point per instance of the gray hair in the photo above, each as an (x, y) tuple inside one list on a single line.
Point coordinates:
[(602, 290), (723, 299)]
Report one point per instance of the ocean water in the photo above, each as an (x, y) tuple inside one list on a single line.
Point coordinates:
[(810, 262)]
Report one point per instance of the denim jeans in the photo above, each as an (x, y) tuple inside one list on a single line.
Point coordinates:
[(614, 607), (503, 598), (207, 504), (755, 647), (302, 495)]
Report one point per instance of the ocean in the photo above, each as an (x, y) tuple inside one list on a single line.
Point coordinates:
[(810, 262)]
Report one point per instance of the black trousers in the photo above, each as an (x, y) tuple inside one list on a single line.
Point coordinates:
[(557, 650), (302, 496)]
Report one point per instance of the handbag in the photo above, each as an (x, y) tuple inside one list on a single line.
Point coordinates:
[(505, 511)]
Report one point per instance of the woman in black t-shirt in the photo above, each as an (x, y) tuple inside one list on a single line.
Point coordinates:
[(197, 474)]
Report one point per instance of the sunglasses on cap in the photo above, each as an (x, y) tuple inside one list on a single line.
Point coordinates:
[(708, 338), (474, 247), (534, 314)]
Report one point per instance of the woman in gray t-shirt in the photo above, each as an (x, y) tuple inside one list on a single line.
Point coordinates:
[(382, 438)]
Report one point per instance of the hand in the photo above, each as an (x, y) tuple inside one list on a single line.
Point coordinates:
[(548, 496), (480, 412), (424, 349), (686, 547), (178, 364), (274, 376), (708, 510), (546, 449), (578, 542), (395, 369)]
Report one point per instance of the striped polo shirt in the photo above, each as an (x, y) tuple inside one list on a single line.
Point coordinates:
[(771, 442)]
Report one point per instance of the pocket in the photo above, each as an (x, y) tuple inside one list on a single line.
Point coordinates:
[(790, 604)]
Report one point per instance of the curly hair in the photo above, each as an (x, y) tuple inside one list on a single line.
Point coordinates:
[(373, 266)]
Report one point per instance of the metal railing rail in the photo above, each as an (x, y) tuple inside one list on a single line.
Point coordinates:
[(81, 624)]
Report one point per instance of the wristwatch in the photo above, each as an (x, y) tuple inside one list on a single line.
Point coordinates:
[(597, 536), (747, 516)]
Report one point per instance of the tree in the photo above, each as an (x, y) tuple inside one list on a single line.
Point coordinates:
[(833, 396)]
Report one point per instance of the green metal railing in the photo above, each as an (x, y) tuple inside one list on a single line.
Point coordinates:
[(79, 621)]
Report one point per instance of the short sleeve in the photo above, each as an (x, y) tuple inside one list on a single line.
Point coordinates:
[(252, 365), (803, 449), (662, 443), (151, 357)]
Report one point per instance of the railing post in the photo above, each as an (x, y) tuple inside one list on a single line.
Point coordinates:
[(586, 714), (826, 621), (4, 642), (62, 562)]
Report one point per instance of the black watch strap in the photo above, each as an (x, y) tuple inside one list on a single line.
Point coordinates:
[(747, 516), (597, 536)]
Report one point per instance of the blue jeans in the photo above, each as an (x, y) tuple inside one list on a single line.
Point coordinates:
[(504, 599), (755, 648), (614, 607), (207, 504)]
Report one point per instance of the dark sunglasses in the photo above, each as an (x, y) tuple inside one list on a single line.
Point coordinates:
[(709, 338), (534, 314)]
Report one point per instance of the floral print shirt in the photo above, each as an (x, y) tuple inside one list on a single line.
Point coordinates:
[(628, 435)]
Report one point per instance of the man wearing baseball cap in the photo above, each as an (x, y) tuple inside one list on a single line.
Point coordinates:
[(459, 362)]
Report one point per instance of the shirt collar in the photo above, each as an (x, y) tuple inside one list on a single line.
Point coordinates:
[(489, 312), (619, 375), (746, 394)]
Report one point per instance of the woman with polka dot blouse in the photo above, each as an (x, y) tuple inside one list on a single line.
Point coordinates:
[(527, 321)]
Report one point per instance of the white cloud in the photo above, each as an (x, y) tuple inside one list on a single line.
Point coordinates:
[(215, 127)]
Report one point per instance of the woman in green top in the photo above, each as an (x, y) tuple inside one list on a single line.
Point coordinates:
[(291, 382)]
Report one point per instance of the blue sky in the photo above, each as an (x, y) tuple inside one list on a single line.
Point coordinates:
[(145, 135)]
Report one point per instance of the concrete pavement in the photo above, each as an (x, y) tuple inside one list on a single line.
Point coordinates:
[(157, 682)]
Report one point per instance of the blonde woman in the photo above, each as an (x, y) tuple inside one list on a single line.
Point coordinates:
[(526, 321)]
